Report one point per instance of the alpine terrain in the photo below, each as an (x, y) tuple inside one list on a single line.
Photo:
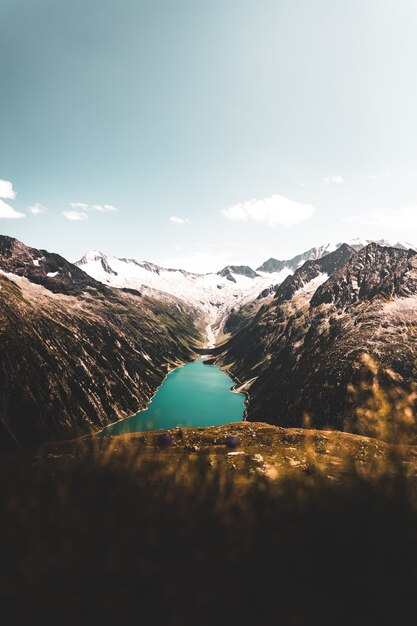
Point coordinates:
[(87, 344), (334, 333), (75, 354)]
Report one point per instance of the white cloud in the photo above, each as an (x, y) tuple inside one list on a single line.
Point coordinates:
[(104, 208), (8, 213), (274, 211), (37, 209), (78, 205), (75, 216), (401, 218), (101, 208), (178, 220), (6, 190), (333, 180)]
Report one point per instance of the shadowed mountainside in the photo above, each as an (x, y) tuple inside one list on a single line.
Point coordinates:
[(76, 355), (302, 352)]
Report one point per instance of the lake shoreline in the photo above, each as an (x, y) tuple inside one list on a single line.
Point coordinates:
[(235, 388), (170, 370), (211, 345), (188, 399)]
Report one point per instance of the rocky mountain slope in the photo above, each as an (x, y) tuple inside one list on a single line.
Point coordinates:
[(43, 268), (75, 354), (274, 265), (301, 354), (305, 280)]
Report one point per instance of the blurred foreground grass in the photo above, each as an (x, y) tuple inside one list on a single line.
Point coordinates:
[(292, 527)]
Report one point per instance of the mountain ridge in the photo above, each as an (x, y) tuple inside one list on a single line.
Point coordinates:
[(207, 290), (315, 253)]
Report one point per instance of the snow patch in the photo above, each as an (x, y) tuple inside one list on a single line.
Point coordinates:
[(306, 292), (211, 338)]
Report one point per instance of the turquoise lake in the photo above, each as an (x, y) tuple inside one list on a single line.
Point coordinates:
[(193, 395)]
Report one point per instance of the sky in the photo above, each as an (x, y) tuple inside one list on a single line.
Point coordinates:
[(201, 133)]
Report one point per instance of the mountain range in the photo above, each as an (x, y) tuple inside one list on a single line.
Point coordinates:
[(86, 344), (215, 294)]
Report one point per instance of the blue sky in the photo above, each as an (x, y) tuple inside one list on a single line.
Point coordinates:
[(263, 127)]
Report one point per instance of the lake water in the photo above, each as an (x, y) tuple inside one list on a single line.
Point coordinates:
[(193, 395)]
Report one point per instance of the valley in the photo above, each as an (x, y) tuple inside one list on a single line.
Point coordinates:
[(88, 345), (219, 296), (208, 313), (295, 333), (123, 451)]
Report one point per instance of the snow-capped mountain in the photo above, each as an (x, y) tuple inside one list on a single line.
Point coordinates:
[(96, 350), (275, 265), (358, 243), (215, 293)]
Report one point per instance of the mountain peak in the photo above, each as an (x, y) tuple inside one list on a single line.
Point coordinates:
[(312, 269), (376, 271), (13, 248), (94, 256), (241, 270), (47, 269), (275, 265), (358, 243), (91, 255)]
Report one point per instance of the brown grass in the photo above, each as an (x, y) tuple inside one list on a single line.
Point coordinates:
[(304, 527)]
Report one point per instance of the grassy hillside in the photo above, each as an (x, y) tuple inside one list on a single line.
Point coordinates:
[(246, 523)]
